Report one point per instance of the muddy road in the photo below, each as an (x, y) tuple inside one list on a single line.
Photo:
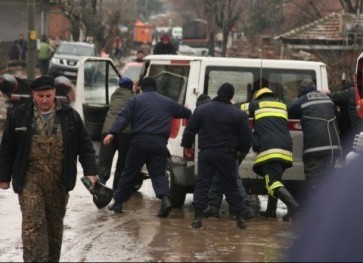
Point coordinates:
[(138, 235)]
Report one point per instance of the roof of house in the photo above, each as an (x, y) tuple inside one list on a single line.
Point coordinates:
[(330, 28)]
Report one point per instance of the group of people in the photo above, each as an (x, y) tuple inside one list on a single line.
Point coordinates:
[(18, 52), (43, 138)]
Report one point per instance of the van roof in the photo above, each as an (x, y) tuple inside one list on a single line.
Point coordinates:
[(219, 60)]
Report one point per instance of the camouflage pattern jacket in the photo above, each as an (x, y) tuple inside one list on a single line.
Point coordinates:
[(16, 142)]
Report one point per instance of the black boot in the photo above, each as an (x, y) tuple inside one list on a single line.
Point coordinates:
[(240, 221), (198, 217), (165, 207), (115, 206), (211, 211), (247, 213), (292, 206), (271, 208)]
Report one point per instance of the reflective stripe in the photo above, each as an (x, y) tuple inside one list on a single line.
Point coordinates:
[(321, 148), (274, 154), (272, 104), (244, 107), (273, 187), (268, 112), (315, 102)]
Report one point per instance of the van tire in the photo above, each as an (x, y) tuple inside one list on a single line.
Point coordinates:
[(178, 193)]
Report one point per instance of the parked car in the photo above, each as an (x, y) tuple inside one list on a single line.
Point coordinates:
[(66, 58), (132, 70)]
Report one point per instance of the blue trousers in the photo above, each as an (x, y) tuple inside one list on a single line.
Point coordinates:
[(149, 150), (223, 162), (217, 189)]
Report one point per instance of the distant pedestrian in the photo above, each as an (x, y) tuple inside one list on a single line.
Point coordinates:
[(24, 47), (224, 134), (41, 143), (14, 52), (164, 46), (140, 56), (150, 115), (117, 47), (44, 54)]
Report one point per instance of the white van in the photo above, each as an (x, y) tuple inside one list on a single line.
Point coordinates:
[(184, 78)]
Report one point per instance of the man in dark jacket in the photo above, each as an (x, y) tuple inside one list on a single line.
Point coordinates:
[(40, 145), (224, 133), (351, 124), (150, 115), (321, 137), (122, 139), (273, 144), (164, 46)]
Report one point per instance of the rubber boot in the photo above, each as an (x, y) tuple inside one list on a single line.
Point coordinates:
[(115, 206), (271, 208), (292, 206), (165, 207), (198, 217), (240, 221)]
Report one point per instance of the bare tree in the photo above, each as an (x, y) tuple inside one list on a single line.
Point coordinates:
[(228, 13)]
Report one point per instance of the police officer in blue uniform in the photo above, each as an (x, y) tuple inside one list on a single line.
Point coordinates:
[(150, 115), (224, 134)]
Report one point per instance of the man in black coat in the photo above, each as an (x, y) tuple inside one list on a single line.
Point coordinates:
[(350, 123), (224, 134), (164, 46)]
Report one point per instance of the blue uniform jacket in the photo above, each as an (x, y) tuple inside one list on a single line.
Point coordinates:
[(219, 124), (149, 113)]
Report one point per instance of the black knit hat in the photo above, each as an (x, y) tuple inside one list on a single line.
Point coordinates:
[(226, 91), (148, 82), (43, 83)]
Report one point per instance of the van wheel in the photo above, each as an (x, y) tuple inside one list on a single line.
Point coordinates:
[(178, 192)]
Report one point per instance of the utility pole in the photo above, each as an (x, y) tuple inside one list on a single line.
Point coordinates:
[(32, 37)]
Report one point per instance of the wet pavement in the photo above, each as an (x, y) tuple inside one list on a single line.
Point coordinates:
[(138, 235)]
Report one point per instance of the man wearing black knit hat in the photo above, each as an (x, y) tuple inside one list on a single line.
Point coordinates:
[(224, 134), (150, 115)]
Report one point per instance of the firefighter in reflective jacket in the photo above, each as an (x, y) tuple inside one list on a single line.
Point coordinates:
[(273, 144)]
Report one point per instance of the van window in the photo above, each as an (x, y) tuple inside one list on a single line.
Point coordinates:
[(284, 83), (172, 80), (96, 89)]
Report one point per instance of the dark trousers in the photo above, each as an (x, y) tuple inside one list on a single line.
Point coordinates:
[(43, 66), (107, 152), (216, 191), (210, 162), (149, 150), (316, 168)]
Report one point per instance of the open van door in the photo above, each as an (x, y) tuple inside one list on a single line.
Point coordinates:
[(97, 79)]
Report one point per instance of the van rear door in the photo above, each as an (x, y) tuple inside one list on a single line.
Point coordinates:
[(96, 81)]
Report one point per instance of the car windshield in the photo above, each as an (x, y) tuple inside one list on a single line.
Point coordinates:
[(75, 50)]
